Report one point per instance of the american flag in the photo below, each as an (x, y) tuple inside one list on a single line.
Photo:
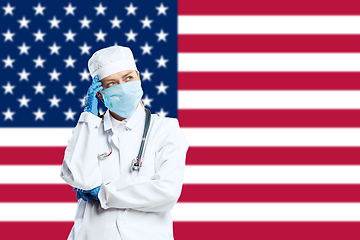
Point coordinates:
[(267, 93)]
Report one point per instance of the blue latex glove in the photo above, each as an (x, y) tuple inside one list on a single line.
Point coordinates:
[(80, 194), (91, 102), (87, 194)]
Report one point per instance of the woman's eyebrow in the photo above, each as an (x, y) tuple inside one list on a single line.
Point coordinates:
[(108, 80), (127, 74)]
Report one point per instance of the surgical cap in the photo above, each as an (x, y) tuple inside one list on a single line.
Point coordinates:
[(110, 60)]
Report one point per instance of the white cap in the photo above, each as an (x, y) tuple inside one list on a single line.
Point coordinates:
[(110, 60)]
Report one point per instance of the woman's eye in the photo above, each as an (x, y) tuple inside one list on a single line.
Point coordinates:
[(128, 77), (110, 84)]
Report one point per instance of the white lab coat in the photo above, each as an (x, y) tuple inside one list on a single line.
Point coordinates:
[(133, 205)]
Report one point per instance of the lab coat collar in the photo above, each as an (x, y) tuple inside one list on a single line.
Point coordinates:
[(107, 121), (130, 122)]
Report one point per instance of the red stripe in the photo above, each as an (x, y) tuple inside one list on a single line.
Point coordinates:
[(269, 118), (211, 155), (204, 230), (267, 230), (203, 193), (37, 193), (273, 156), (31, 155), (266, 7), (35, 230), (268, 43), (269, 80), (270, 193)]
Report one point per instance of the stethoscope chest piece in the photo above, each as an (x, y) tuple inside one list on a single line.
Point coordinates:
[(135, 165)]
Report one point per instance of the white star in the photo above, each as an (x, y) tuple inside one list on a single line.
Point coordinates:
[(69, 36), (131, 9), (100, 9), (146, 49), (8, 9), (162, 113), (8, 35), (39, 35), (161, 88), (161, 36), (54, 101), (8, 114), (70, 88), (100, 36), (131, 35), (8, 88), (85, 49), (8, 62), (146, 22), (39, 114), (116, 22), (24, 23), (162, 9), (115, 44), (24, 101), (54, 75), (69, 114), (147, 75), (70, 10), (161, 62), (54, 49), (85, 22), (24, 75), (54, 22), (39, 62), (24, 49), (70, 62), (147, 101), (84, 75), (39, 9), (39, 88)]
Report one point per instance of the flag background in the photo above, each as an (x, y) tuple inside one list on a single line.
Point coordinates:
[(268, 97)]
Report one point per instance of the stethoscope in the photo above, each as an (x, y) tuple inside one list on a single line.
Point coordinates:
[(136, 162)]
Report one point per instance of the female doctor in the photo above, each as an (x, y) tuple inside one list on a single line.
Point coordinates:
[(121, 193)]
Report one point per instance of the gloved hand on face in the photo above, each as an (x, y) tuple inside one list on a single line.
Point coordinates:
[(91, 102)]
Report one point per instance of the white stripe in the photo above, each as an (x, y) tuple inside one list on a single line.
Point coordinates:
[(268, 99), (37, 211), (268, 24), (219, 62), (271, 174), (272, 136), (226, 174), (35, 136), (30, 174), (218, 137), (266, 212), (200, 212)]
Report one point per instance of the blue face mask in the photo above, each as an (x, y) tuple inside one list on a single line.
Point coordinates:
[(123, 98)]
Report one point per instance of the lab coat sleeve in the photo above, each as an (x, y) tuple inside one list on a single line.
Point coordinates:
[(80, 165), (159, 192)]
